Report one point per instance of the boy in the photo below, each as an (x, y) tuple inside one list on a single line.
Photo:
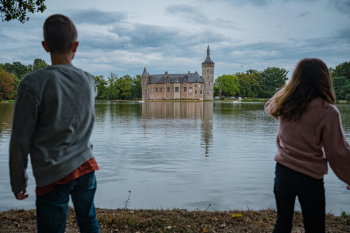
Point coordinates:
[(53, 119)]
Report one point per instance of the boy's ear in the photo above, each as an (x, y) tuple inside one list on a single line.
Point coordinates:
[(45, 46), (75, 46)]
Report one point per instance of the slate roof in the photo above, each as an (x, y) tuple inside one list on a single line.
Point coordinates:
[(208, 60), (175, 78)]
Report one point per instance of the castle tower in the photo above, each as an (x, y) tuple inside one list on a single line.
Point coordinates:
[(144, 81), (208, 77)]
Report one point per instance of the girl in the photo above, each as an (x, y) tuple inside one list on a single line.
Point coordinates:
[(309, 136)]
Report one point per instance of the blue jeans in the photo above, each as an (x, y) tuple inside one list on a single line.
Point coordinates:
[(52, 208), (311, 195)]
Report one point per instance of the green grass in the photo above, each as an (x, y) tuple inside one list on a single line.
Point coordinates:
[(255, 100)]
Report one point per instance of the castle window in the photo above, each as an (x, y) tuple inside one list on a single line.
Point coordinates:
[(156, 89), (201, 92), (185, 89), (176, 89), (161, 89), (190, 90), (207, 70), (195, 85), (168, 89), (195, 92), (209, 83)]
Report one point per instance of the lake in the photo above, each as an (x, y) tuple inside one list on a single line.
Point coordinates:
[(192, 155)]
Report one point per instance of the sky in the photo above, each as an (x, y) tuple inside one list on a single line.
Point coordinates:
[(125, 36)]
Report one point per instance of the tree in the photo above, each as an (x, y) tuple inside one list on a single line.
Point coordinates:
[(273, 78), (113, 87), (18, 9), (136, 91), (125, 83), (100, 83), (249, 83), (341, 87), (228, 84), (342, 69), (7, 86), (39, 64), (216, 90), (17, 69)]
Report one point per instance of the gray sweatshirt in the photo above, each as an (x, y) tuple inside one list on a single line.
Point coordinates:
[(52, 121)]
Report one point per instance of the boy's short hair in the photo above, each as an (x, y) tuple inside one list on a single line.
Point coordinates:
[(59, 34)]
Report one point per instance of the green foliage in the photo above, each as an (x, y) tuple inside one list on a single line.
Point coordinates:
[(273, 78), (250, 83), (136, 91), (342, 69), (347, 97), (101, 87), (222, 97), (17, 69), (18, 9), (39, 64), (228, 84), (341, 87), (114, 88), (216, 90)]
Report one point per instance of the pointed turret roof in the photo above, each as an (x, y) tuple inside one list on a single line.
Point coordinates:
[(144, 72), (208, 60)]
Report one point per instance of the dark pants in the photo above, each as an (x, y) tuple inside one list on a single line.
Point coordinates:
[(52, 208), (310, 192)]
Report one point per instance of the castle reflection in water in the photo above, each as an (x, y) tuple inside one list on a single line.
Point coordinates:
[(202, 111)]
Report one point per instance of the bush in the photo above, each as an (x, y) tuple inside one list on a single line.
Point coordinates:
[(222, 97), (347, 97)]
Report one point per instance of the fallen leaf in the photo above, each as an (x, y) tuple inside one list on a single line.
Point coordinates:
[(238, 215), (205, 229)]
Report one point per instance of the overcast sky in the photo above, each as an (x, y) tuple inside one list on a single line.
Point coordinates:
[(124, 36)]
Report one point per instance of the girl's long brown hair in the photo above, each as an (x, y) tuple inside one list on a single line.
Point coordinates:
[(310, 80)]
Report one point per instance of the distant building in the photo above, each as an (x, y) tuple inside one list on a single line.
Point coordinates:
[(188, 86)]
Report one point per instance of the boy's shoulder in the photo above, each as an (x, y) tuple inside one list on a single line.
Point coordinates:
[(41, 76)]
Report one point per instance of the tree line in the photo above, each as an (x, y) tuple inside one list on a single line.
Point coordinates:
[(12, 74), (264, 84), (125, 87), (112, 88), (252, 83)]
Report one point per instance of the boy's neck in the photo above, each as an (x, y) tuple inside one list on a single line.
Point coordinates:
[(61, 59)]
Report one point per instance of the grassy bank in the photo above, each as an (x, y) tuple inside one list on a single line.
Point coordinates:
[(122, 220), (255, 100)]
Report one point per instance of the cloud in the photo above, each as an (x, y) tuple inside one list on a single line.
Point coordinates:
[(155, 36), (341, 6), (343, 34), (192, 14), (304, 14), (95, 16)]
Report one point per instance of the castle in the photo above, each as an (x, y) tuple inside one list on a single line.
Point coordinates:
[(188, 86)]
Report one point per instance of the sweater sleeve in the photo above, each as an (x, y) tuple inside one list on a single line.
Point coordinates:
[(23, 126), (336, 148)]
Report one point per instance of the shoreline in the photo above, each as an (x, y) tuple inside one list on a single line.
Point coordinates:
[(176, 220)]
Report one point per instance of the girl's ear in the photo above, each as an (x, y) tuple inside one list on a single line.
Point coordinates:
[(45, 46)]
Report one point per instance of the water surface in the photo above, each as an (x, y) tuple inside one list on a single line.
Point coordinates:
[(180, 155)]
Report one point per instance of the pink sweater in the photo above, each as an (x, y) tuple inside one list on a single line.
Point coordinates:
[(300, 143)]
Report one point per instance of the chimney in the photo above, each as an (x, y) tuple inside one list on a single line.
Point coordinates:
[(166, 72), (189, 72)]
